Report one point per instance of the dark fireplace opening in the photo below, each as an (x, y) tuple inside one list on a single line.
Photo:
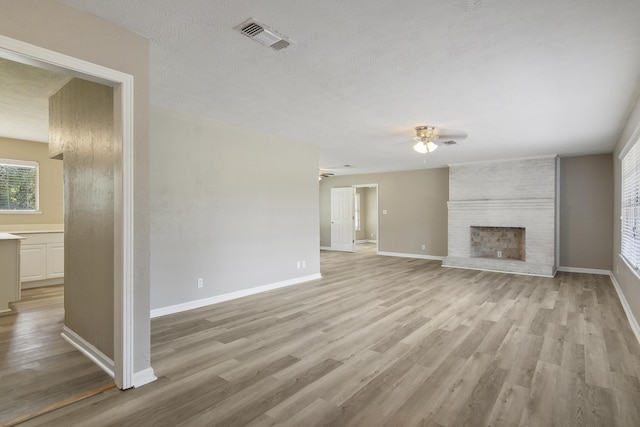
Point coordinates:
[(498, 242)]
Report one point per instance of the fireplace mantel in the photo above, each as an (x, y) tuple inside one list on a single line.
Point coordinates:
[(547, 203)]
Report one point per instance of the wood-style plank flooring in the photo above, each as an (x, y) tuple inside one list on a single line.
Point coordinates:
[(37, 366), (389, 341)]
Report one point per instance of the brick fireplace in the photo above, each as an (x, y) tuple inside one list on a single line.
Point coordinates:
[(503, 208)]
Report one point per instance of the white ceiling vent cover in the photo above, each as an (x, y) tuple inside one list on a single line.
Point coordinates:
[(263, 34)]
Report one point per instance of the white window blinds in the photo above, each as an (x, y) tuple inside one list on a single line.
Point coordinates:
[(631, 206), (18, 186)]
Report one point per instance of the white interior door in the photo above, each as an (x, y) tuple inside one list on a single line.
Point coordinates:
[(342, 221)]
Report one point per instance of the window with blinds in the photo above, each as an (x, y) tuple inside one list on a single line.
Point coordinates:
[(18, 186), (631, 206)]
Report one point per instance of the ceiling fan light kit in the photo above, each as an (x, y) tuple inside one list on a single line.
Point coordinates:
[(424, 135), (424, 147)]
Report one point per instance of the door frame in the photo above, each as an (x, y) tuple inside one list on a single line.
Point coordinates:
[(25, 53), (377, 209)]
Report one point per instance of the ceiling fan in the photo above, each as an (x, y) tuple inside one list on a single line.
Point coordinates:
[(427, 135)]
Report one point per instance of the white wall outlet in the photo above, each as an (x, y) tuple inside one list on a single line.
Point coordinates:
[(304, 264), (384, 211), (499, 254), (424, 247), (200, 282), (298, 264)]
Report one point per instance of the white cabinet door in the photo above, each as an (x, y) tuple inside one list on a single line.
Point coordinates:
[(55, 260), (33, 262)]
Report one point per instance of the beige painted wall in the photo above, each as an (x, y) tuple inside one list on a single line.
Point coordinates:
[(86, 126), (586, 211), (371, 213), (627, 279), (368, 213), (362, 233), (416, 205), (227, 209), (50, 181), (55, 26)]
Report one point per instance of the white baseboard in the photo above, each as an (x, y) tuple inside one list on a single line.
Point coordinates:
[(89, 350), (584, 270), (633, 322), (362, 241), (143, 377), (418, 256), (372, 241), (163, 311), (325, 248)]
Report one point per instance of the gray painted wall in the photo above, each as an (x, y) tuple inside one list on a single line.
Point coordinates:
[(625, 276), (83, 113), (586, 211), (227, 207), (416, 205), (53, 25)]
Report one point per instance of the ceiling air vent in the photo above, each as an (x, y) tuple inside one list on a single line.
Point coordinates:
[(263, 35)]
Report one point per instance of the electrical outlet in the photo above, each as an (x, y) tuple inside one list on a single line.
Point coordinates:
[(200, 282), (304, 264), (298, 264), (499, 254), (424, 247)]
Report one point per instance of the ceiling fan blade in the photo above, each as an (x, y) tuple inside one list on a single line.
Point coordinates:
[(452, 135)]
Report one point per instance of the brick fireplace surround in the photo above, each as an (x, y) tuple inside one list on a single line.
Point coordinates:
[(513, 194)]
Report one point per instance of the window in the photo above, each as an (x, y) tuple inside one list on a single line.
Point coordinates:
[(18, 186), (631, 206), (356, 211)]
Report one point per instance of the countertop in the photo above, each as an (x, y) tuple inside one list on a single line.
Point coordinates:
[(32, 228), (7, 236)]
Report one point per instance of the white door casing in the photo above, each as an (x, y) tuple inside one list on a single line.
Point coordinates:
[(16, 50), (342, 221)]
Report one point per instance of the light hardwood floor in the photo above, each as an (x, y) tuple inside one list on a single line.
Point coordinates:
[(394, 342), (37, 366)]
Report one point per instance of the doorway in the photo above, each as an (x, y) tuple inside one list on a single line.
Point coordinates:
[(366, 217), (122, 368)]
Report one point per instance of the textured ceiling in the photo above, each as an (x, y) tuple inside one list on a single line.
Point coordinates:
[(520, 78), (24, 100)]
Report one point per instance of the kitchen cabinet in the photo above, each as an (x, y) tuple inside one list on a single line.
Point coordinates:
[(42, 258)]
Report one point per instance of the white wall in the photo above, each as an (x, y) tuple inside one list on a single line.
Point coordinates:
[(235, 208)]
